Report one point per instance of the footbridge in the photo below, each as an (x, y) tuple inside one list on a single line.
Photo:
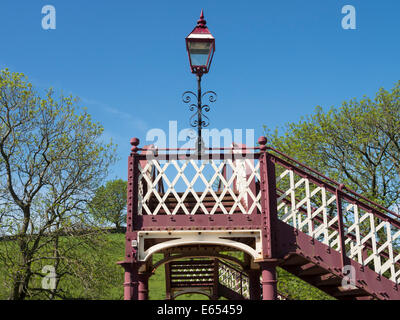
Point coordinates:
[(224, 220)]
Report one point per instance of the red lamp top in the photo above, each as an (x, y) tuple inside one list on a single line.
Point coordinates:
[(200, 45), (201, 27)]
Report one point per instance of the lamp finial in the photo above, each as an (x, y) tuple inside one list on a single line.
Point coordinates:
[(201, 23)]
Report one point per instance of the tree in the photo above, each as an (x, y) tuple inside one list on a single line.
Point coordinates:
[(357, 144), (109, 202), (51, 163)]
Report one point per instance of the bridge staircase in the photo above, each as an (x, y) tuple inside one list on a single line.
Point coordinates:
[(213, 278), (260, 202)]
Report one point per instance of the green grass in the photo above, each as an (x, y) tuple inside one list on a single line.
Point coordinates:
[(108, 277)]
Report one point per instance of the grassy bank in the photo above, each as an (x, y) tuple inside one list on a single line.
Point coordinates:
[(106, 277)]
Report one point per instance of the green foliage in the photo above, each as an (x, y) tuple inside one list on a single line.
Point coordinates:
[(88, 271), (51, 163), (357, 144), (296, 289), (109, 202)]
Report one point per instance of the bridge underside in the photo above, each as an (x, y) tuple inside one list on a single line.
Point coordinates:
[(194, 264), (213, 263)]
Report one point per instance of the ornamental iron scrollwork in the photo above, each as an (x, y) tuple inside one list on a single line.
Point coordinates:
[(198, 107)]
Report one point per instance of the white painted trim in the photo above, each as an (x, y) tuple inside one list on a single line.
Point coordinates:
[(200, 36), (211, 237)]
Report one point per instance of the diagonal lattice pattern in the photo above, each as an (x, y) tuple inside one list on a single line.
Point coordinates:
[(370, 238), (233, 279), (199, 187)]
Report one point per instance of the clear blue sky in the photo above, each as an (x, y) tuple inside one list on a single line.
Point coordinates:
[(274, 62)]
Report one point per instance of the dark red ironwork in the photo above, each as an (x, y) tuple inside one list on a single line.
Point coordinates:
[(269, 280), (282, 244), (341, 226), (143, 286)]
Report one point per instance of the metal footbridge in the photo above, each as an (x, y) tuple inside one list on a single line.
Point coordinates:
[(223, 221)]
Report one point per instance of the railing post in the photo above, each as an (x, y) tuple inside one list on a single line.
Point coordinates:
[(167, 268), (241, 283), (132, 203), (269, 223), (216, 280), (130, 264), (133, 185), (341, 226), (268, 202)]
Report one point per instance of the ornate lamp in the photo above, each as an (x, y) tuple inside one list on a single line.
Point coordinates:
[(200, 45)]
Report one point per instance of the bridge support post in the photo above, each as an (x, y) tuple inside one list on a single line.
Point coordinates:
[(254, 284), (214, 294), (143, 286), (269, 281), (131, 280)]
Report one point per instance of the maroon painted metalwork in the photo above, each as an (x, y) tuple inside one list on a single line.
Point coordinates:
[(269, 280), (298, 244), (216, 280), (143, 286), (282, 244), (333, 188), (268, 202), (341, 226), (335, 227), (324, 179), (131, 280), (130, 264), (167, 270)]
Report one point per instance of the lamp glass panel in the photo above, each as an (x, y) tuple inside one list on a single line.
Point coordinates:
[(199, 52)]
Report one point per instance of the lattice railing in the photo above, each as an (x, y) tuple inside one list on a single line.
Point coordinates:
[(310, 202), (338, 218), (192, 186), (233, 279), (238, 281), (307, 207)]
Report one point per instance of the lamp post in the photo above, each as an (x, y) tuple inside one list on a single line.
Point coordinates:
[(200, 45)]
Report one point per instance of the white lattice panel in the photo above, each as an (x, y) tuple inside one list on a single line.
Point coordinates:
[(197, 179), (234, 280), (307, 207), (370, 240), (374, 242)]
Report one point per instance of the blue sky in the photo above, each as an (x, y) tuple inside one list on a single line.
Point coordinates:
[(274, 62)]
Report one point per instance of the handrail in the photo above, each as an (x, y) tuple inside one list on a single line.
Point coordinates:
[(206, 149), (338, 185), (379, 215), (348, 235)]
